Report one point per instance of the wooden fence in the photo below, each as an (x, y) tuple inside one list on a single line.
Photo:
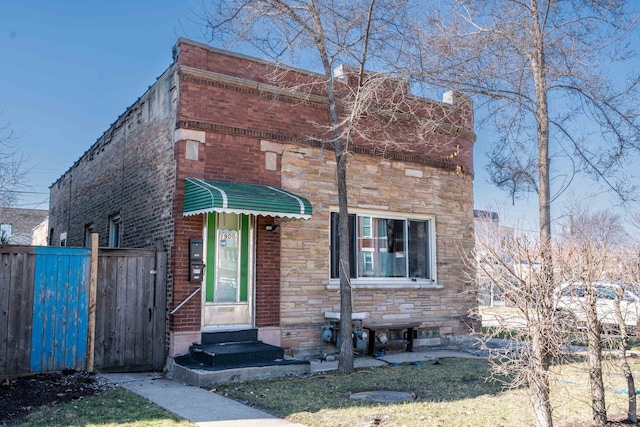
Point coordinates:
[(130, 310), (53, 316)]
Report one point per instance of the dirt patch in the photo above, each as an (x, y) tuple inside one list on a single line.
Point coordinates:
[(20, 396)]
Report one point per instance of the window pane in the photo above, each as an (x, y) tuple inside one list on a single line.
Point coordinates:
[(114, 231), (382, 253), (384, 247), (227, 264), (365, 226), (335, 246), (419, 266), (5, 229)]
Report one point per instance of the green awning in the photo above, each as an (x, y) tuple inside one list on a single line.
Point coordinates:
[(203, 196)]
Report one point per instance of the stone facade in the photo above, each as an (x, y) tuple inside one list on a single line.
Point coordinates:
[(378, 186), (221, 116)]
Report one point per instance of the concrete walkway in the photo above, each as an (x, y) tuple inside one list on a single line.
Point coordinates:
[(202, 407), (207, 409)]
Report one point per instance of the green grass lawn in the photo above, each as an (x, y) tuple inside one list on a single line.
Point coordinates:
[(116, 407), (451, 392)]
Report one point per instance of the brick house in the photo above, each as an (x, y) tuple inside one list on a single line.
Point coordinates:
[(215, 150)]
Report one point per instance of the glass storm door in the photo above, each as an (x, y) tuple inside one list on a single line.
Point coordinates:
[(228, 279)]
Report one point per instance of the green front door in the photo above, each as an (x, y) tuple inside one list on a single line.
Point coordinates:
[(228, 296)]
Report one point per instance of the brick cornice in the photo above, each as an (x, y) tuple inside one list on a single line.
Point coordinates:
[(245, 86), (293, 96), (273, 136)]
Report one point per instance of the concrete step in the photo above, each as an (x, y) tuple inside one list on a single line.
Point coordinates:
[(219, 337), (199, 375), (235, 354)]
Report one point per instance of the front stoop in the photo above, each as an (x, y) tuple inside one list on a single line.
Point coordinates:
[(234, 356)]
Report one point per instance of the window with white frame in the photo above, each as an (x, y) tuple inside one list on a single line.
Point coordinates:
[(114, 231), (384, 247)]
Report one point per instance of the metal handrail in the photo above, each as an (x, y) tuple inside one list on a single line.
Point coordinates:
[(185, 300)]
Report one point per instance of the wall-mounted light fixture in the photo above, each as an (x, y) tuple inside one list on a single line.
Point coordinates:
[(271, 227)]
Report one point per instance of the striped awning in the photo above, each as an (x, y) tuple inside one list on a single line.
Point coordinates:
[(203, 196)]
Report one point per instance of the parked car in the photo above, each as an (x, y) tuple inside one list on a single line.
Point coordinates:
[(570, 299)]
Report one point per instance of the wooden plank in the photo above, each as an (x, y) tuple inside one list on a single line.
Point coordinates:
[(93, 289), (131, 312), (119, 252), (38, 356), (149, 298), (75, 336), (5, 289), (143, 328), (110, 315), (15, 294), (58, 293), (120, 314), (17, 249), (74, 282), (160, 309), (23, 348), (101, 310)]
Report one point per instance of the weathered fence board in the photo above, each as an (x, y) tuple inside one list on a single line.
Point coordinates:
[(16, 309)]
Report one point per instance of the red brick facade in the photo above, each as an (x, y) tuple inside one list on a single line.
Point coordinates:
[(251, 128)]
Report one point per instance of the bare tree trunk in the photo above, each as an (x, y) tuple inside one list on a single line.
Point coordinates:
[(624, 364), (539, 383), (540, 390), (345, 358), (594, 356)]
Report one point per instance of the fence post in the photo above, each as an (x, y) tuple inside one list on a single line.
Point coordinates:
[(93, 286), (160, 307)]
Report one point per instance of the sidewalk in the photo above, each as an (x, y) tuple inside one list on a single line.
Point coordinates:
[(202, 407), (208, 409)]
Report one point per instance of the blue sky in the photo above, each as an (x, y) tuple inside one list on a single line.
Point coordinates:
[(69, 69)]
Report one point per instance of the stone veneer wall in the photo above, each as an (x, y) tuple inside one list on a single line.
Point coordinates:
[(380, 185)]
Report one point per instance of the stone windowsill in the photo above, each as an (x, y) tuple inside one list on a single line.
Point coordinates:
[(334, 284)]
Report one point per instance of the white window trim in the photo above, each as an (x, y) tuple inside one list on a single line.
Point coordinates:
[(394, 282), (370, 227)]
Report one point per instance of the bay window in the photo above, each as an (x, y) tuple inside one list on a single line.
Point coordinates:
[(388, 248)]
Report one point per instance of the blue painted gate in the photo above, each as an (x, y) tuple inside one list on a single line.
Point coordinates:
[(60, 309)]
